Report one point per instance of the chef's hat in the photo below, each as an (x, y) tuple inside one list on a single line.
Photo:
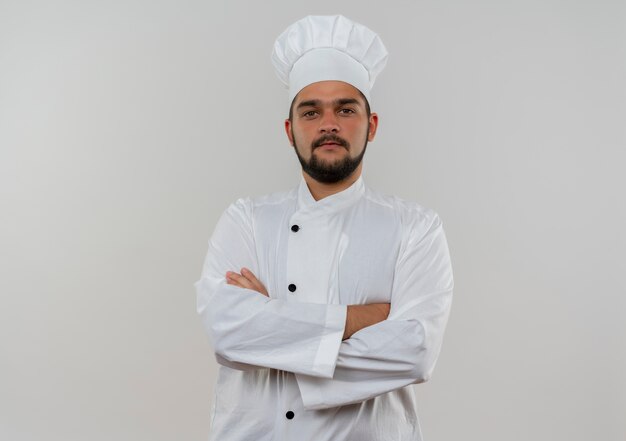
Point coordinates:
[(328, 47)]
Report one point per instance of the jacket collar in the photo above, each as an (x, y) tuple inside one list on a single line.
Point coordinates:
[(330, 204)]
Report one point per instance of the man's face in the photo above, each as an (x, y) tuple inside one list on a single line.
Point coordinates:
[(330, 129)]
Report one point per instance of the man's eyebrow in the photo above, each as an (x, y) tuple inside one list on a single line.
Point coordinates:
[(337, 102), (309, 103), (344, 101)]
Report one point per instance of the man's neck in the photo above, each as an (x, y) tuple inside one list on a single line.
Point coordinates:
[(320, 190)]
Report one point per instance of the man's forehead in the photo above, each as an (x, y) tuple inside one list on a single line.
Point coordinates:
[(329, 92)]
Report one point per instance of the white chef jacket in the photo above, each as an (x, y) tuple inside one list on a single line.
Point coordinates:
[(285, 374)]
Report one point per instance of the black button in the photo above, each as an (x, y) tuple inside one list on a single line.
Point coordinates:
[(292, 287), (295, 228), (289, 415)]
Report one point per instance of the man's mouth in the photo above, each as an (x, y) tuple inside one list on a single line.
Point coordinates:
[(331, 143), (331, 146)]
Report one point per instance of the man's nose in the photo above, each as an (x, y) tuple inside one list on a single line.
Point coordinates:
[(329, 123)]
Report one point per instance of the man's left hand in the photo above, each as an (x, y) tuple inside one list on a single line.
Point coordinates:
[(246, 280)]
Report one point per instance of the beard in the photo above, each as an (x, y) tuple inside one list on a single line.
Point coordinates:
[(325, 171)]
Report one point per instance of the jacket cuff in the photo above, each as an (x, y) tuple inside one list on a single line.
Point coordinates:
[(311, 392), (328, 350)]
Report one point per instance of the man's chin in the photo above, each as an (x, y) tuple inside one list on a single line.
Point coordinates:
[(327, 164), (330, 156)]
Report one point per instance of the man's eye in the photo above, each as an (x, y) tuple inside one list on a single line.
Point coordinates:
[(346, 111), (309, 114)]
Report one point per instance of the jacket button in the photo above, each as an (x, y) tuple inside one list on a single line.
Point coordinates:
[(295, 228), (292, 287), (289, 415)]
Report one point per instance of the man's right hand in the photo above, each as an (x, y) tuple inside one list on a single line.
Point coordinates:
[(246, 280), (362, 316)]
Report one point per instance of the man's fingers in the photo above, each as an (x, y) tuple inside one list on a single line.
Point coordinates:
[(239, 280), (251, 277), (233, 282), (245, 280), (258, 286)]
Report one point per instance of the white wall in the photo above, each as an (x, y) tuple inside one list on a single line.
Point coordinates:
[(127, 127)]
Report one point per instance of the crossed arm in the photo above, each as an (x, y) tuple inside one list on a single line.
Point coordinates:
[(339, 354), (357, 316)]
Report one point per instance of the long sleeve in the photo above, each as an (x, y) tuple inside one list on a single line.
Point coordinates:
[(249, 330), (403, 349)]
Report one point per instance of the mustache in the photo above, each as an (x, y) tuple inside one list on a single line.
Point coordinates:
[(332, 138)]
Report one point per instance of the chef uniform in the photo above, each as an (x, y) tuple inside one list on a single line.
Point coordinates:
[(285, 373)]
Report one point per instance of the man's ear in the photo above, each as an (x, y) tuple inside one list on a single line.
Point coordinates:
[(288, 131), (373, 126)]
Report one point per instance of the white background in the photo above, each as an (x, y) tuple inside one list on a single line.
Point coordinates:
[(126, 127)]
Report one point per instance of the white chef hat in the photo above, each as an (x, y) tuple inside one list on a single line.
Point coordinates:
[(328, 47)]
